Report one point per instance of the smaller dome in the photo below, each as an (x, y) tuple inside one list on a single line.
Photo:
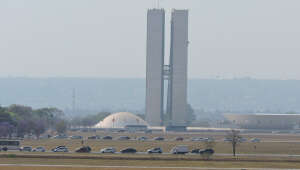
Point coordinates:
[(120, 120)]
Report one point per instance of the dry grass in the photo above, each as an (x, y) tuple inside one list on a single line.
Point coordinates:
[(266, 147), (73, 168), (150, 163)]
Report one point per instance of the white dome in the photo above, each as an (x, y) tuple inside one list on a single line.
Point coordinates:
[(120, 120)]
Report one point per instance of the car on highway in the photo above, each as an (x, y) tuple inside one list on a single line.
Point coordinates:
[(180, 149), (195, 151), (196, 139), (94, 137), (26, 149), (124, 138), (84, 149), (179, 139), (206, 151), (255, 140), (242, 139), (128, 150), (60, 149), (227, 139), (159, 138), (155, 150), (76, 137), (121, 131), (148, 131), (60, 136), (209, 139), (107, 138), (142, 138), (39, 149), (5, 149), (108, 150)]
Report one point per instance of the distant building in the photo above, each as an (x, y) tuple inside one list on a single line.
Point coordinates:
[(121, 120), (155, 66), (265, 121), (135, 128), (175, 73)]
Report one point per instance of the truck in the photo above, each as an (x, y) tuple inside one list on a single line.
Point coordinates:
[(180, 149)]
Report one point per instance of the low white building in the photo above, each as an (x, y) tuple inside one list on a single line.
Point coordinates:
[(121, 120), (265, 121)]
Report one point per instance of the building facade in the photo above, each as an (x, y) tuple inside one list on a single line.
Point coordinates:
[(178, 66), (265, 121), (154, 66), (175, 73)]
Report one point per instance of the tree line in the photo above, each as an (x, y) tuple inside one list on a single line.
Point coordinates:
[(19, 120)]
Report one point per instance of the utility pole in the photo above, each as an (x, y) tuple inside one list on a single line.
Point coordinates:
[(73, 100)]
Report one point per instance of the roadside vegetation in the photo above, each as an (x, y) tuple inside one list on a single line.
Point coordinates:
[(18, 121)]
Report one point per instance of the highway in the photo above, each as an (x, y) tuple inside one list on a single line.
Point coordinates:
[(137, 167)]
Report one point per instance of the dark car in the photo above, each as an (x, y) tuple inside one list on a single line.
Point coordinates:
[(179, 138), (4, 149), (155, 150), (207, 151), (128, 150), (148, 131), (94, 137), (159, 138), (84, 149), (123, 138), (195, 151), (121, 131), (107, 138), (26, 148)]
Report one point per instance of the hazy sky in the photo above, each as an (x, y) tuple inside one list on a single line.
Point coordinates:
[(107, 38)]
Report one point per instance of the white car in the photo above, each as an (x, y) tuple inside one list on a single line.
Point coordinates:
[(227, 140), (76, 137), (62, 136), (197, 139), (255, 140), (242, 140), (143, 138), (108, 150), (39, 149), (60, 149)]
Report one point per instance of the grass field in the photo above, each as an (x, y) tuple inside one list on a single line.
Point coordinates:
[(271, 144), (154, 163)]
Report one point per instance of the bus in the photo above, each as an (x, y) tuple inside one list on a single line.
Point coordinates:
[(9, 144)]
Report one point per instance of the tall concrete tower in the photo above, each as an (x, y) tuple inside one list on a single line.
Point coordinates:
[(177, 89), (154, 66), (175, 73)]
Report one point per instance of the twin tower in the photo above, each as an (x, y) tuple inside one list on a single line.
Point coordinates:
[(173, 75)]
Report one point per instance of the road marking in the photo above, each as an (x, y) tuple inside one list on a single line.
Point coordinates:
[(138, 167)]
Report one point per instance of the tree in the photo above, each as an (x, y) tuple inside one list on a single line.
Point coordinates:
[(89, 120), (6, 129), (39, 127), (209, 144), (51, 115), (61, 126), (235, 139), (190, 114), (23, 111)]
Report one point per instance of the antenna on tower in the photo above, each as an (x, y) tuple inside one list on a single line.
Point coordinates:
[(158, 4)]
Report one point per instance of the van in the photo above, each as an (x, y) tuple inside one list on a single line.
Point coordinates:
[(180, 149)]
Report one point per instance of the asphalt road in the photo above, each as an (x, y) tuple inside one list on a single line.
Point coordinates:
[(137, 167), (168, 153)]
